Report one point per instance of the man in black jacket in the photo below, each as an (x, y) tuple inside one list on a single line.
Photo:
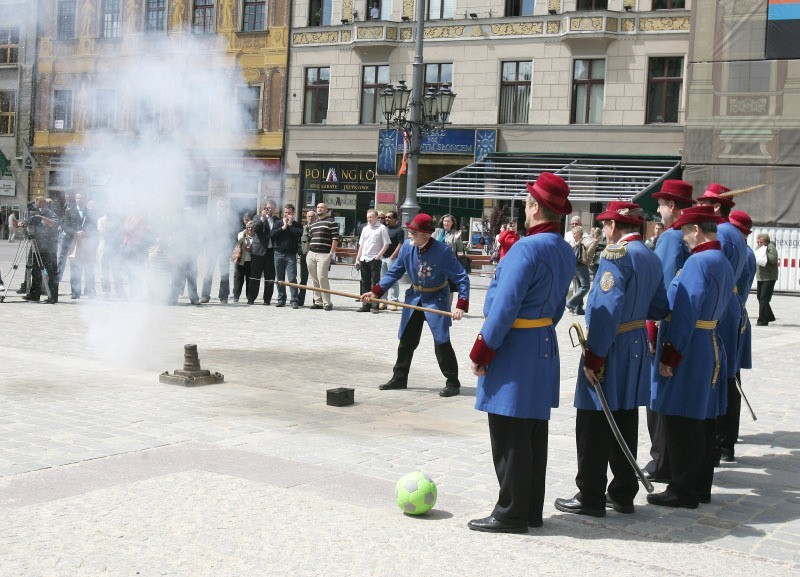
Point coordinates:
[(285, 239), (45, 238), (80, 233), (262, 259)]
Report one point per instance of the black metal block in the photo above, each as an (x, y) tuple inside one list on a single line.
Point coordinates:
[(341, 397)]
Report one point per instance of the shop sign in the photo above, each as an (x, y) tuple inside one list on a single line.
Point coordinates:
[(342, 177), (8, 187), (386, 197), (340, 201)]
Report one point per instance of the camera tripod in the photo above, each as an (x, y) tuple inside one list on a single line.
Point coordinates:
[(28, 250)]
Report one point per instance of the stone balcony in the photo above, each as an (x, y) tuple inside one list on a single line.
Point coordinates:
[(602, 25)]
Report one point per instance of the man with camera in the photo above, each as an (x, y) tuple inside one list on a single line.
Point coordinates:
[(42, 226)]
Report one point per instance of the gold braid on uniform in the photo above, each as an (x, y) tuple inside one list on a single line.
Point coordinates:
[(614, 251)]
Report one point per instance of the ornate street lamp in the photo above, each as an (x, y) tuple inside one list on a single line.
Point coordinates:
[(415, 113)]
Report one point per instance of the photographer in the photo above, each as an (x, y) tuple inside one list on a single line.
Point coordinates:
[(42, 226)]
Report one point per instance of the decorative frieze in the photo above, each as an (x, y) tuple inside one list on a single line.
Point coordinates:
[(665, 23), (324, 37)]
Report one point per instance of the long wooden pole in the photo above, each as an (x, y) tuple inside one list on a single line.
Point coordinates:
[(355, 296)]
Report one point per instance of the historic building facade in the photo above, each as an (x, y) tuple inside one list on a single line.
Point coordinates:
[(17, 62), (207, 74), (555, 76)]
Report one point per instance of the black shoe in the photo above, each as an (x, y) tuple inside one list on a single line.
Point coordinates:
[(280, 304), (705, 499), (393, 385), (580, 312), (450, 391), (617, 506), (364, 309), (727, 455), (224, 301), (30, 298), (668, 499), (575, 506), (315, 306), (295, 306), (328, 307), (491, 525), (51, 301), (762, 323), (251, 302)]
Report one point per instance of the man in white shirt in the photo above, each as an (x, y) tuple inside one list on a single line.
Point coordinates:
[(372, 243)]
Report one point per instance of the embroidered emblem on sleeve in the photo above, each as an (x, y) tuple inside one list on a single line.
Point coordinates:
[(614, 251), (607, 281)]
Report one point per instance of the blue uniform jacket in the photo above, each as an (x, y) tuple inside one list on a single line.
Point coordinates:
[(672, 252), (743, 288), (629, 288), (434, 267), (734, 248), (700, 292), (531, 282)]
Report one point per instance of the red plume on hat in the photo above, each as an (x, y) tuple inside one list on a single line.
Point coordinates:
[(697, 214), (422, 223), (552, 191), (741, 220), (676, 191), (627, 212), (713, 194)]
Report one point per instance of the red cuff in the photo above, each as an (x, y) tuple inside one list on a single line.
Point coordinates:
[(463, 304), (593, 361), (652, 331), (481, 353), (670, 355), (377, 290)]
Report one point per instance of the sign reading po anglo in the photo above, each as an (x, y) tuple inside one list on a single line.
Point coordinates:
[(338, 177)]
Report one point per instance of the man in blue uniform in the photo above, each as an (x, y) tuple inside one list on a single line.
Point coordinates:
[(629, 289), (516, 356), (674, 196), (431, 266), (690, 361), (728, 424)]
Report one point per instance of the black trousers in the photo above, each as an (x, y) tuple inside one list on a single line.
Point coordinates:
[(764, 290), (261, 265), (728, 424), (409, 341), (598, 449), (658, 466), (301, 295), (240, 277), (690, 443), (370, 275), (519, 452), (50, 264)]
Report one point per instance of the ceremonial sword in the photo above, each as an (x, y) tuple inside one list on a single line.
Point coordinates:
[(744, 398), (607, 411)]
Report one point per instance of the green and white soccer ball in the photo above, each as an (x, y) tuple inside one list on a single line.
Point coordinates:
[(415, 493)]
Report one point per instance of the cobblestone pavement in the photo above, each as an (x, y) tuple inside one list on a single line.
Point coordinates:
[(104, 471)]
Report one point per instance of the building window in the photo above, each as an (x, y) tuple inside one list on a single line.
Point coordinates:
[(155, 16), (669, 4), (374, 79), (249, 99), (441, 9), (592, 5), (203, 17), (109, 24), (9, 45), (438, 74), (105, 109), (319, 12), (66, 20), (316, 95), (8, 105), (515, 92), (664, 81), (588, 82), (254, 15), (519, 7), (62, 110), (379, 9)]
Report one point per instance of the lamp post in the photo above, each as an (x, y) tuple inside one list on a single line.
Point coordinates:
[(413, 112)]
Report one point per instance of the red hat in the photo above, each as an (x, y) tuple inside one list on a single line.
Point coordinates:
[(422, 223), (741, 220), (695, 214), (713, 192), (676, 191), (627, 212), (552, 191)]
